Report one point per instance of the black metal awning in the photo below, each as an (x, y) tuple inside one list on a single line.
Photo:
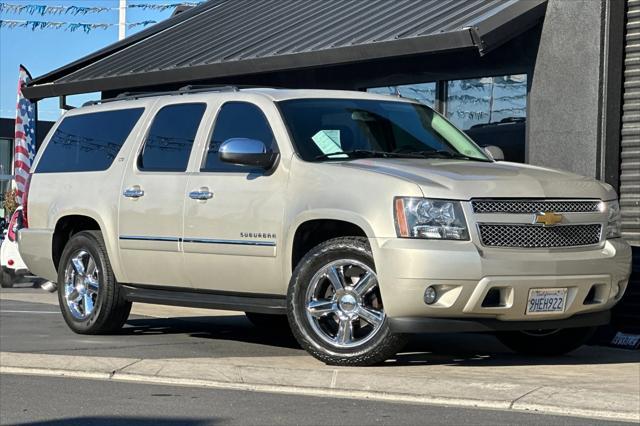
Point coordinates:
[(226, 38)]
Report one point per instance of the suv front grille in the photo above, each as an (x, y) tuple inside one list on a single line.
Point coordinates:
[(536, 236), (534, 206)]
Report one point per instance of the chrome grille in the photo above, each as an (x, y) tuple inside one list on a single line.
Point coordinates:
[(536, 236), (534, 206)]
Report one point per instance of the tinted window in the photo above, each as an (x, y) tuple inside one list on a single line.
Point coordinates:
[(88, 142), (170, 138), (237, 120)]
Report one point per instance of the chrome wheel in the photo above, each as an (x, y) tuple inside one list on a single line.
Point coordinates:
[(81, 284), (343, 304)]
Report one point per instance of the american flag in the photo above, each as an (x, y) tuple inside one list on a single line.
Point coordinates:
[(25, 137)]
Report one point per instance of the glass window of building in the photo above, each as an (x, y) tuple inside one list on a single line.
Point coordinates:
[(492, 111), (422, 92), (486, 100), (6, 158)]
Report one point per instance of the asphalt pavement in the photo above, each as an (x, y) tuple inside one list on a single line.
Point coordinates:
[(56, 401), (38, 327)]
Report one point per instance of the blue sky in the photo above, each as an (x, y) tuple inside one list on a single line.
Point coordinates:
[(44, 50)]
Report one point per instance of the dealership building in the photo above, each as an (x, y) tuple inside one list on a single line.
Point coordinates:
[(7, 146), (552, 82)]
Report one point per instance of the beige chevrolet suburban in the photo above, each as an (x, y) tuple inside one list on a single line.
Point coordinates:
[(362, 218)]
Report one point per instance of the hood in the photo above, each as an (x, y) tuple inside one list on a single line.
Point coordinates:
[(463, 180)]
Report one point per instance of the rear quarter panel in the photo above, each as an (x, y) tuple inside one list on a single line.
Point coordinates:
[(53, 196)]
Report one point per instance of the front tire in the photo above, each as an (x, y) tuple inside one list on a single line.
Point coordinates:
[(546, 342), (91, 300), (335, 308)]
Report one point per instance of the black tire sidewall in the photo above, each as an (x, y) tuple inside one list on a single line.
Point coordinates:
[(320, 256), (87, 242), (7, 279)]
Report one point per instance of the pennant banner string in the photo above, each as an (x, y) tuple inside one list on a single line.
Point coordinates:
[(67, 26), (42, 9), (162, 7)]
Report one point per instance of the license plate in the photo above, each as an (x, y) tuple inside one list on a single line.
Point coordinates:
[(545, 300)]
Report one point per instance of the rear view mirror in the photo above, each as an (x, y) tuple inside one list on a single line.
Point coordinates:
[(494, 152), (247, 152)]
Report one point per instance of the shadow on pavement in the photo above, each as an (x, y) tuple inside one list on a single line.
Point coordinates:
[(116, 421), (235, 328), (504, 359), (462, 349)]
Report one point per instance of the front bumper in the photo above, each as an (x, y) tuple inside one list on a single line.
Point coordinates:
[(463, 274), (443, 325)]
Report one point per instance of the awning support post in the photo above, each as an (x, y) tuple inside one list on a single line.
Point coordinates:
[(63, 103)]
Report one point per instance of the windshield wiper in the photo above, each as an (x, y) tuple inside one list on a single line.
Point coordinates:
[(445, 154), (365, 153)]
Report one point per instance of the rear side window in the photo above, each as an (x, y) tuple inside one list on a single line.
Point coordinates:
[(237, 120), (168, 144), (88, 142)]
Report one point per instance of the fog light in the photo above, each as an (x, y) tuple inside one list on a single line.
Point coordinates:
[(430, 295)]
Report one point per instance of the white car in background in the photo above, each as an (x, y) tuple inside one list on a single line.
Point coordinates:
[(13, 268)]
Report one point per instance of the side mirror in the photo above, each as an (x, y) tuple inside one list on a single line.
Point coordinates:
[(494, 152), (247, 152)]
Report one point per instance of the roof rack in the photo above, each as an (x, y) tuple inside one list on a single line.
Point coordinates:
[(192, 88)]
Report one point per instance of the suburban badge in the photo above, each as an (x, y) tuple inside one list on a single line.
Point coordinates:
[(260, 235)]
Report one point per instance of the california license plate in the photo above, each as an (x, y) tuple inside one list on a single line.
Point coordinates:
[(546, 300)]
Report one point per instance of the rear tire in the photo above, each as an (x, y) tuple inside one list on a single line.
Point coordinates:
[(546, 342), (7, 279), (334, 305), (91, 300)]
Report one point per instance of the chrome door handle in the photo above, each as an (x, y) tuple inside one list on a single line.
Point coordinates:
[(134, 192), (201, 194)]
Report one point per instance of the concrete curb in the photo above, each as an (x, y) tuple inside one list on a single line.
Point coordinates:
[(324, 381)]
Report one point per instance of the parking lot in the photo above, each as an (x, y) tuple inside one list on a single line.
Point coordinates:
[(216, 349)]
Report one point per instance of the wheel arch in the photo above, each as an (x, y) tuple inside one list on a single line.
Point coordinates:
[(70, 223), (312, 228)]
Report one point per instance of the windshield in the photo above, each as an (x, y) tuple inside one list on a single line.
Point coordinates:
[(344, 129)]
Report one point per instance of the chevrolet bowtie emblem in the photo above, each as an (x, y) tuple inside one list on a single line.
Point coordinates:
[(547, 218)]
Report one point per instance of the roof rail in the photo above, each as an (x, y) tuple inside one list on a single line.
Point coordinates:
[(193, 88)]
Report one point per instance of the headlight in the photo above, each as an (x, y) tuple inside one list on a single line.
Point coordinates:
[(612, 208), (427, 218)]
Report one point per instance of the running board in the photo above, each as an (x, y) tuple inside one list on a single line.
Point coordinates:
[(247, 302)]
